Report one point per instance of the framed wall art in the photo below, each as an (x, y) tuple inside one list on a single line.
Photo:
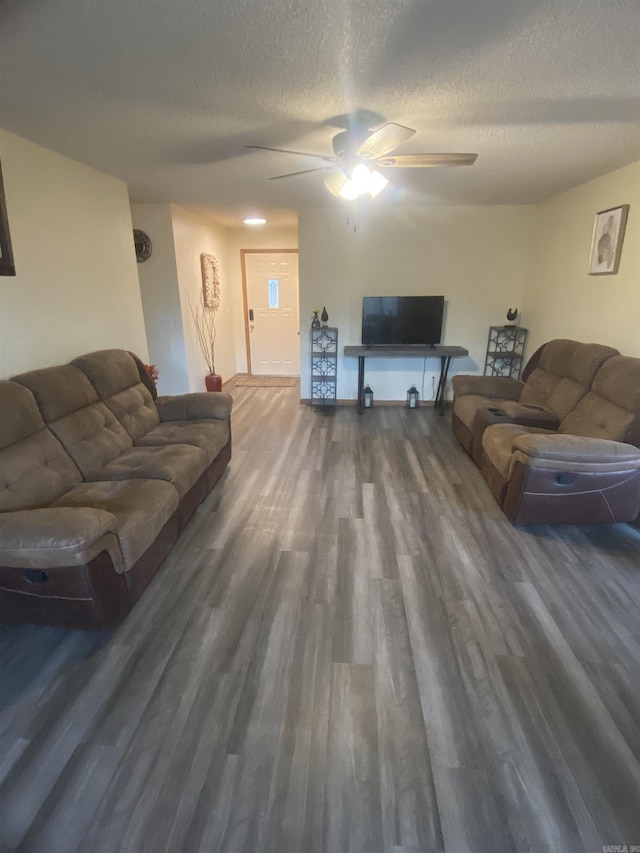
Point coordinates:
[(6, 254), (606, 244), (210, 281)]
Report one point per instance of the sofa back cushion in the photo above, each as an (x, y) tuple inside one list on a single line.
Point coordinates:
[(611, 408), (34, 467), (69, 405), (115, 376), (564, 374)]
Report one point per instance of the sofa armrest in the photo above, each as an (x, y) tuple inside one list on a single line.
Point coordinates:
[(56, 536), (574, 452), (195, 407), (501, 387)]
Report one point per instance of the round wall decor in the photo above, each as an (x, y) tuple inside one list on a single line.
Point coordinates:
[(143, 245)]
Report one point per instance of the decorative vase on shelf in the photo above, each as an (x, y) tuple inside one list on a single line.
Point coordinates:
[(324, 316), (512, 313), (213, 382), (315, 323)]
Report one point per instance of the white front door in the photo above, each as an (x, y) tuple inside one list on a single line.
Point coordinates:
[(272, 313)]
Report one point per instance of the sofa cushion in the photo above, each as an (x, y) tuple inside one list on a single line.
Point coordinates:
[(179, 464), (611, 409), (109, 370), (34, 468), (468, 406), (35, 472), (92, 436), (141, 508), (498, 444), (564, 374), (115, 376), (58, 391), (19, 415), (210, 436), (69, 404), (135, 410)]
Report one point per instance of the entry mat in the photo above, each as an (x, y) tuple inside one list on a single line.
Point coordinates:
[(265, 381)]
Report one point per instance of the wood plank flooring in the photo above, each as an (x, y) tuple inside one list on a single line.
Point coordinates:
[(350, 649)]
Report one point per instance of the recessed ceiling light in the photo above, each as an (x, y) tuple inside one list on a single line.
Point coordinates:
[(255, 220)]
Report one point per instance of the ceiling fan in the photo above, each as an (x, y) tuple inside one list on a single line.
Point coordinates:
[(356, 150)]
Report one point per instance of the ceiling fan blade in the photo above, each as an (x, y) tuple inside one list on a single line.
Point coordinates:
[(303, 172), (288, 151), (383, 140), (422, 161), (334, 182)]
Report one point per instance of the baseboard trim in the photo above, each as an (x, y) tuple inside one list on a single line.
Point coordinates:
[(424, 404)]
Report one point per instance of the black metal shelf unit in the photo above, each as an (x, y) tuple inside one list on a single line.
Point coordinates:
[(505, 351), (324, 366)]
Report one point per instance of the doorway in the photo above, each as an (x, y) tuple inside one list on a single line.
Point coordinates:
[(270, 291)]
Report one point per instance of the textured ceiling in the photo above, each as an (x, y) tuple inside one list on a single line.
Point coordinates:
[(165, 93)]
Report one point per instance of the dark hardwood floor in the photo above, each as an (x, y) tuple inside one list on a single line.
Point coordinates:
[(350, 649)]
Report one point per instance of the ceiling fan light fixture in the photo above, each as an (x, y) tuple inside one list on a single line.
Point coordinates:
[(357, 151), (377, 183), (349, 190), (363, 181), (334, 182), (361, 178)]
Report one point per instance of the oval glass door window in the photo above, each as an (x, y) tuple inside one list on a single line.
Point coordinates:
[(274, 292)]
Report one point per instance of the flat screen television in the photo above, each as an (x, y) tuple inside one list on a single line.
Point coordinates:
[(402, 320)]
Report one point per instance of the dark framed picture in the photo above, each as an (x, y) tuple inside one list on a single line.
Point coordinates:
[(606, 244), (6, 254)]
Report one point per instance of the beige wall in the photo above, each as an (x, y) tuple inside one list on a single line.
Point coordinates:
[(561, 299), (167, 279), (173, 271), (477, 257), (251, 238), (161, 299), (76, 287), (193, 235)]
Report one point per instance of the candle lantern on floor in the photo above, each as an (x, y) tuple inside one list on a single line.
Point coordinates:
[(368, 397), (412, 397)]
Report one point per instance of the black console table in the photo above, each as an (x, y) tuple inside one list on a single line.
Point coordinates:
[(445, 354)]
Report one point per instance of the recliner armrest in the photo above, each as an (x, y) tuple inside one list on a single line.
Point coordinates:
[(500, 387), (201, 405), (56, 536), (574, 452)]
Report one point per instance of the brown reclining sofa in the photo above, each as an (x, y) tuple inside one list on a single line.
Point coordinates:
[(561, 446), (98, 478)]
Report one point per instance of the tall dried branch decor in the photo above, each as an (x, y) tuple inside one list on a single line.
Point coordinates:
[(204, 313)]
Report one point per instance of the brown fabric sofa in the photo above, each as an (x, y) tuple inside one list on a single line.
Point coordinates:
[(557, 376), (97, 480), (584, 471)]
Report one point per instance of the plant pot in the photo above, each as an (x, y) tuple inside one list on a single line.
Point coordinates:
[(213, 382)]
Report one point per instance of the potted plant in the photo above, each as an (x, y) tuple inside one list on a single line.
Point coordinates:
[(154, 373), (204, 319)]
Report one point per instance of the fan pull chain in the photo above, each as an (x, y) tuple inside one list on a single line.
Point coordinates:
[(355, 224)]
